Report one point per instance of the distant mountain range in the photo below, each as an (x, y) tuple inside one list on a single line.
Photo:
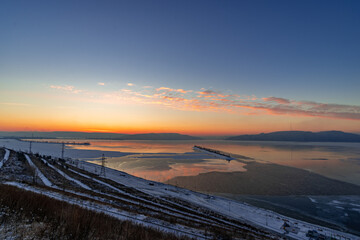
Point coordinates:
[(301, 136), (85, 135)]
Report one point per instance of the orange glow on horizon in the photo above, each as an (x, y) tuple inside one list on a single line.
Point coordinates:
[(204, 131), (134, 130), (126, 131), (166, 110), (140, 119)]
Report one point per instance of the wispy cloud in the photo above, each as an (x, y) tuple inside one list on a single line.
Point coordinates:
[(207, 92), (101, 84), (213, 100), (67, 88), (130, 84), (307, 109), (173, 90), (277, 100), (214, 95)]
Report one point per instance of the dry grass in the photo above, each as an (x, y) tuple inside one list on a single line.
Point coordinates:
[(59, 220)]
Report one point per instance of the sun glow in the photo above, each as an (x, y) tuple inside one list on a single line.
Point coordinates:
[(164, 109)]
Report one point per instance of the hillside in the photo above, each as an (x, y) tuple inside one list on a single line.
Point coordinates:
[(64, 195), (300, 136)]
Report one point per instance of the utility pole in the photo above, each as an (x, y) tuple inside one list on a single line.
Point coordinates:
[(102, 169), (62, 150), (31, 140)]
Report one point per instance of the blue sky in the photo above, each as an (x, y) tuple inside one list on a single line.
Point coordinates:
[(300, 50)]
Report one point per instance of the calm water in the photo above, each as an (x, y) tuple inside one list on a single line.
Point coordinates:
[(335, 160), (161, 160)]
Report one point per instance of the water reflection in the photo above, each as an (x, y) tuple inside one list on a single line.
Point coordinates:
[(162, 167), (335, 160)]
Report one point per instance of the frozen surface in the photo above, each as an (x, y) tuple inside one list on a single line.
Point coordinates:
[(237, 210)]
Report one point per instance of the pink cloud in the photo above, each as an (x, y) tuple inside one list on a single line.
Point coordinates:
[(209, 100), (173, 90), (207, 92), (277, 100)]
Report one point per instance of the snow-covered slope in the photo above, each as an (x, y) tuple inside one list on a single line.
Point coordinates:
[(38, 172), (6, 157), (114, 212), (64, 182)]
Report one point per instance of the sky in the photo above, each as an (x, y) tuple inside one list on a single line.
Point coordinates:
[(191, 67)]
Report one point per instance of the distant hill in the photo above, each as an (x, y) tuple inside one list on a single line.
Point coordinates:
[(94, 135), (301, 136)]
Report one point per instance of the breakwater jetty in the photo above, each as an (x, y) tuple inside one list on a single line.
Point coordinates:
[(214, 152), (55, 142)]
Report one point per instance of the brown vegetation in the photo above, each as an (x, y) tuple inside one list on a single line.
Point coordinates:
[(61, 220)]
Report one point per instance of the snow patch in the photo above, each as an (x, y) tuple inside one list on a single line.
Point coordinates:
[(6, 157), (38, 172), (68, 177)]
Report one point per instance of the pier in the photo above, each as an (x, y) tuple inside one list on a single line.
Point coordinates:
[(214, 152), (54, 142)]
